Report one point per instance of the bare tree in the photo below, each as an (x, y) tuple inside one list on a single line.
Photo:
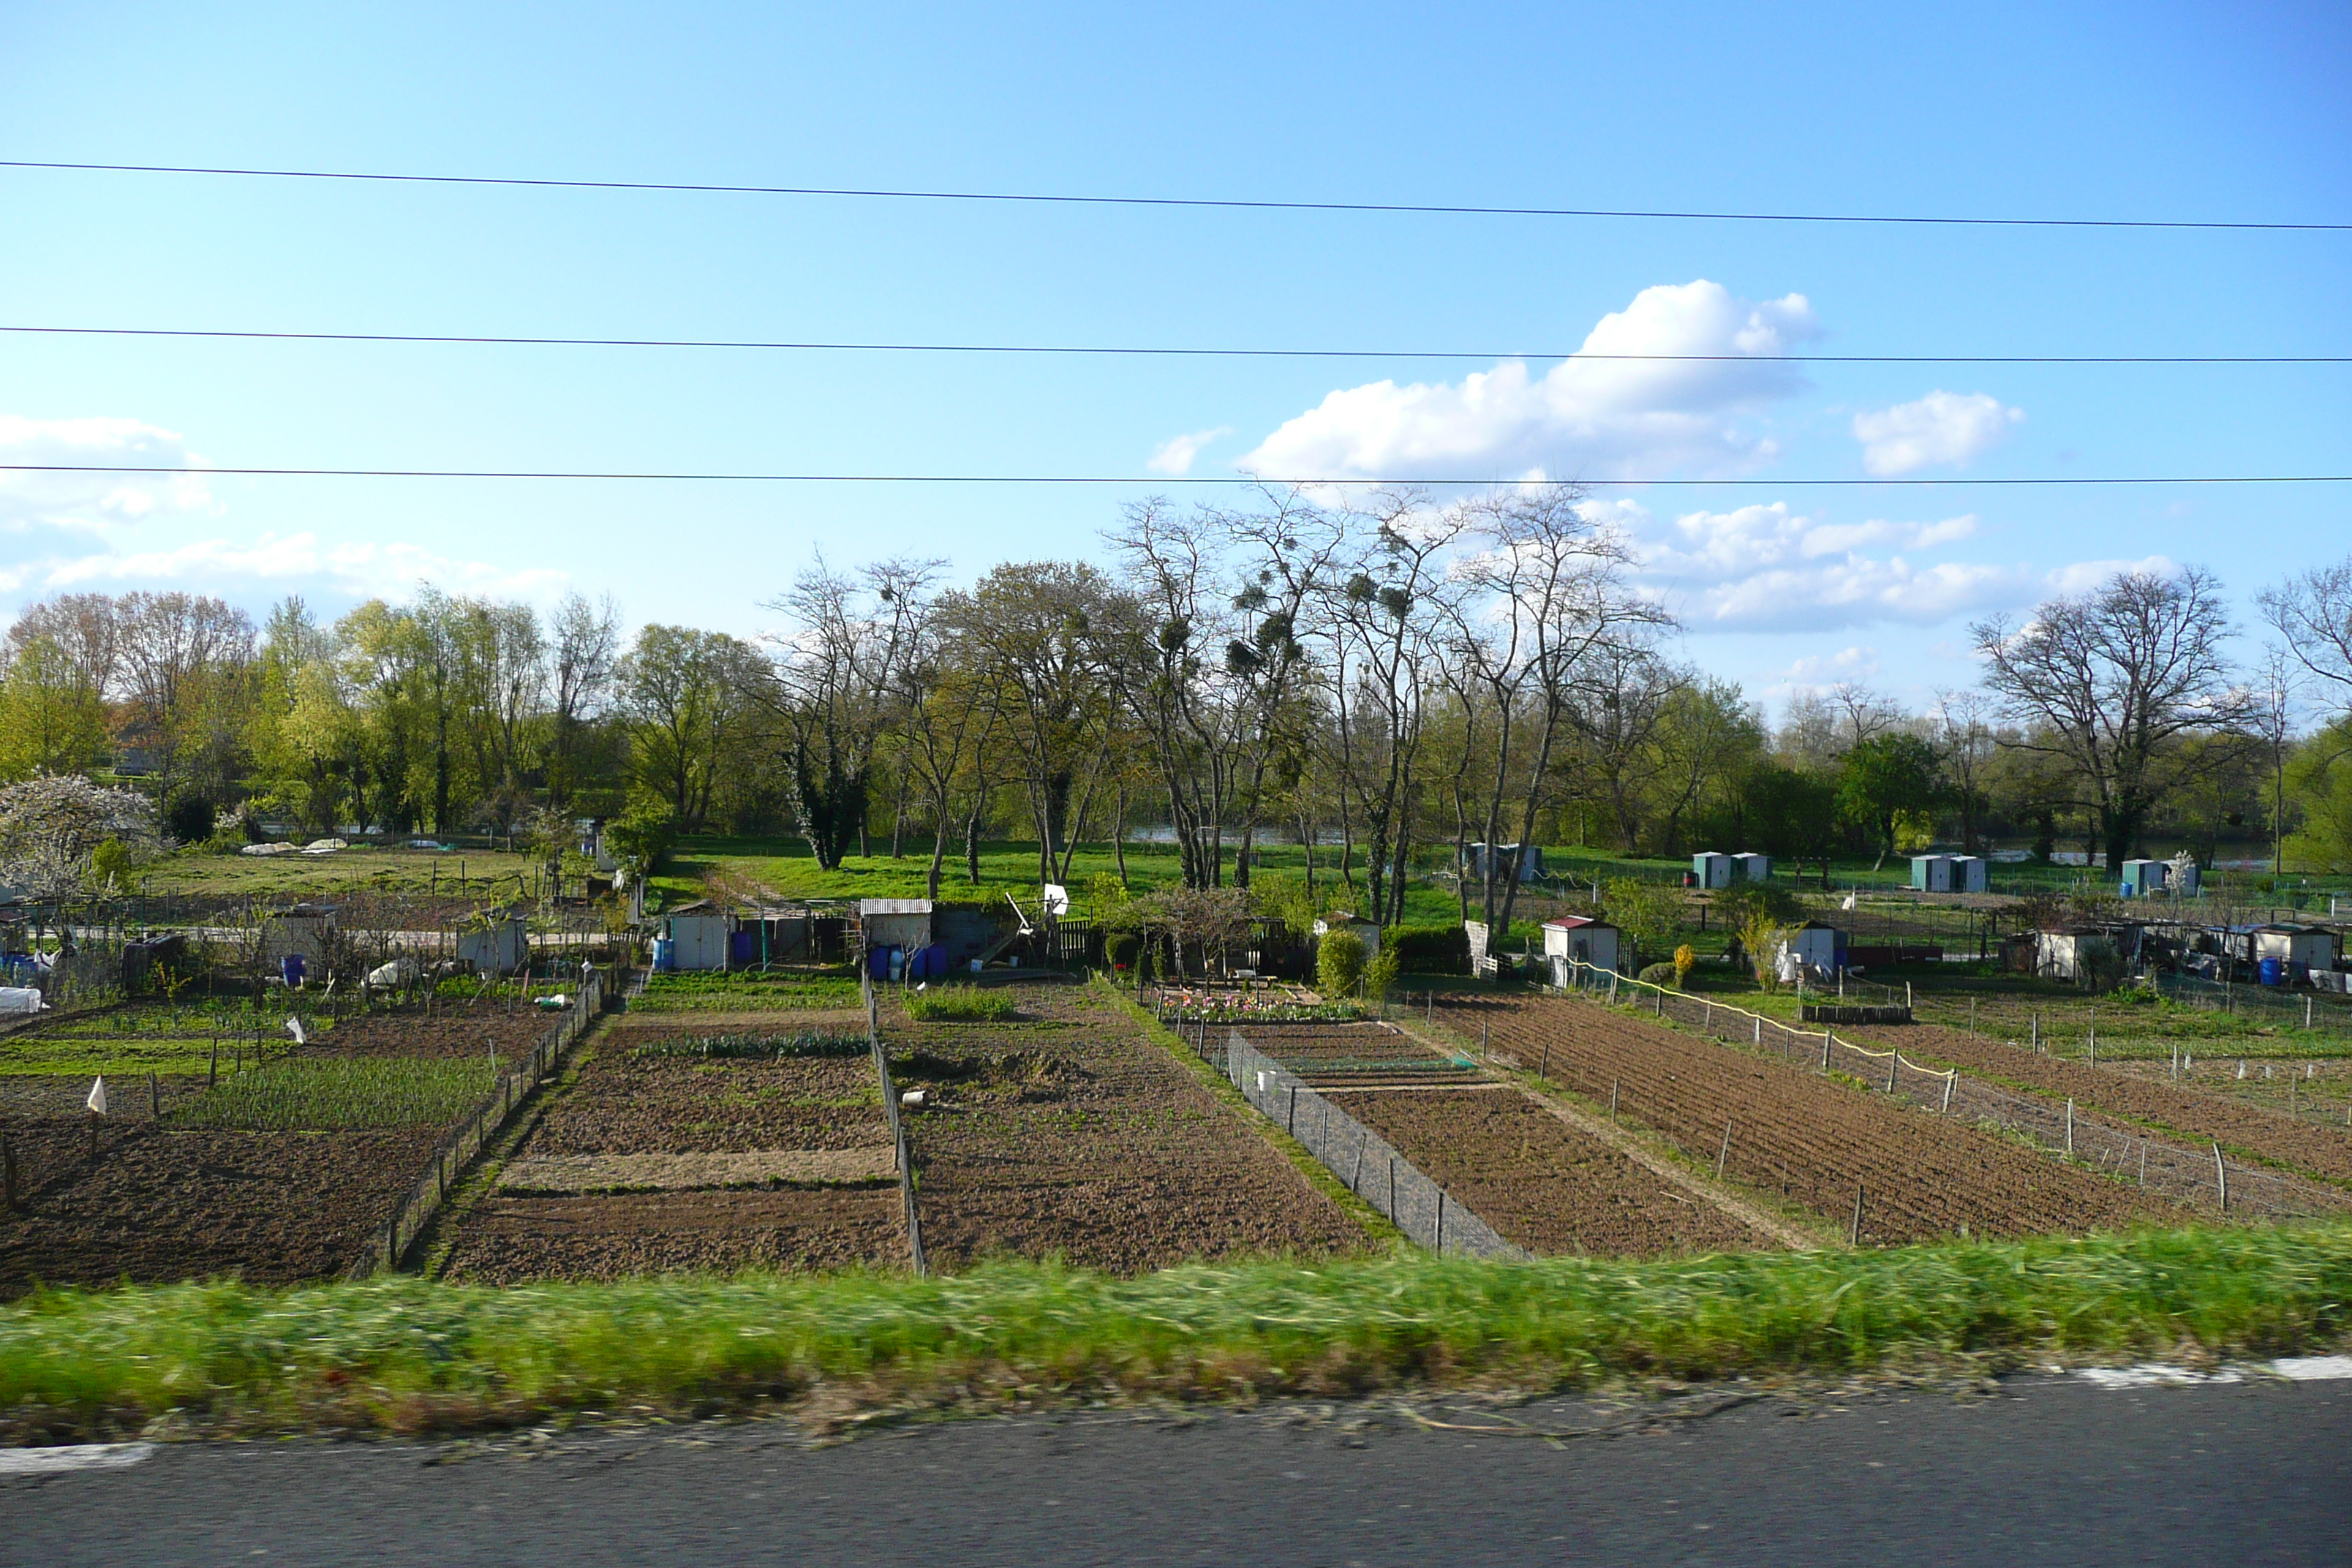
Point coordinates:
[(2271, 713), (1965, 739), (587, 647), (2313, 615), (2109, 680)]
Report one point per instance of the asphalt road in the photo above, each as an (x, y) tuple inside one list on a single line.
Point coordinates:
[(2042, 1471)]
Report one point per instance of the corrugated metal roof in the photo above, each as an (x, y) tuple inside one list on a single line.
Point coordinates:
[(894, 907)]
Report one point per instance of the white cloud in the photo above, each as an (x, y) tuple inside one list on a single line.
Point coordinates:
[(1941, 427), (92, 502), (1856, 664), (2083, 577), (1591, 417), (1175, 456), (1766, 568), (360, 570)]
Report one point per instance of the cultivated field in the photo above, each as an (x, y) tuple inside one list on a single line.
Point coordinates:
[(1539, 1183), (1067, 1133), (1809, 1139), (228, 1148), (673, 1146), (2300, 1142)]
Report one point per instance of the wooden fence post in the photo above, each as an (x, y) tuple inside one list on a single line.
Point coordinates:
[(1853, 1232)]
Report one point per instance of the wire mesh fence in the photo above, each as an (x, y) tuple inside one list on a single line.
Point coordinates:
[(898, 1124), (465, 1141), (1371, 1168), (2274, 1004), (2197, 1179)]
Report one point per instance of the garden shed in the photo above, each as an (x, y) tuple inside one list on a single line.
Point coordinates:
[(1931, 873), (1819, 945), (2144, 879), (1478, 857), (1583, 940), (1969, 874), (495, 944), (1368, 932), (2300, 949), (302, 931), (1747, 866), (694, 936), (1711, 869)]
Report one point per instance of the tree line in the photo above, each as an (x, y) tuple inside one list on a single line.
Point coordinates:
[(1388, 679)]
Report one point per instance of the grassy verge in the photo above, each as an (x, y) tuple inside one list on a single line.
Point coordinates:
[(406, 1355)]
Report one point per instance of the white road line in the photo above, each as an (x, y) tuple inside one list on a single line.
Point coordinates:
[(2312, 1368), (72, 1456), (2155, 1374)]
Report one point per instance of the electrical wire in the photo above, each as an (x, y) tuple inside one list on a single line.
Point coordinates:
[(853, 479), (500, 339), (1431, 208)]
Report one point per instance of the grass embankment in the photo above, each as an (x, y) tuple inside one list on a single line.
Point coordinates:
[(406, 1355), (453, 873)]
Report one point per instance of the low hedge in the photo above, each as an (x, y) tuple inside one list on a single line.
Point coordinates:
[(1429, 948)]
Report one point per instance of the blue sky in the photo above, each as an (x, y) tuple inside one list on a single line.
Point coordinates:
[(2086, 110)]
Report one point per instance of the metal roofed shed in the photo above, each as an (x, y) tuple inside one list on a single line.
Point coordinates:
[(1583, 940), (693, 937), (1711, 869), (2143, 878), (303, 931), (2296, 951), (1969, 874), (1819, 945), (496, 945), (1747, 866), (1931, 873), (1478, 857)]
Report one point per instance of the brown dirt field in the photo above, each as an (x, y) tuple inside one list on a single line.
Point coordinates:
[(1073, 1134), (459, 1031), (2325, 1151), (1337, 1054), (1805, 1137), (515, 1240), (627, 1104), (158, 1207), (1538, 1181)]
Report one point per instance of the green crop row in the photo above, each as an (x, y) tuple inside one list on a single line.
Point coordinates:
[(764, 1047), (327, 1096)]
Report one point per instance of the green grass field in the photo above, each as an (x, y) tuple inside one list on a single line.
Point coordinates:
[(333, 1095), (132, 1042), (401, 1355), (747, 990), (455, 874)]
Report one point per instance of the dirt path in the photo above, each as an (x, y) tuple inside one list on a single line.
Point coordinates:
[(1634, 1148)]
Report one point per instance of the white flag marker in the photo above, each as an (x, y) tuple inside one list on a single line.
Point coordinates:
[(294, 1028), (97, 1102)]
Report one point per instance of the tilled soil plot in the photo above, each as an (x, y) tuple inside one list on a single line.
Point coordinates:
[(512, 1240), (1807, 1138), (459, 1031), (1538, 1181), (157, 1208), (1337, 1054), (1073, 1134), (2264, 1134), (624, 1103)]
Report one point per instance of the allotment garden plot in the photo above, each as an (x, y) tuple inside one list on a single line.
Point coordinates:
[(227, 1147), (1808, 1138), (1537, 1180), (1065, 1132), (680, 1141)]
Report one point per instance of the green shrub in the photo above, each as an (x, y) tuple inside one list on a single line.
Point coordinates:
[(960, 1005), (1123, 950), (1430, 948), (1381, 973), (1659, 974), (1338, 962)]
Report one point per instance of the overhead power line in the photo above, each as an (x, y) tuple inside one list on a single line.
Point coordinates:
[(854, 478), (1430, 208), (507, 340)]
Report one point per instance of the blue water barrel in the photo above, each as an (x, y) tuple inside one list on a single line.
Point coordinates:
[(665, 954), (2273, 971), (290, 966), (877, 962), (742, 947)]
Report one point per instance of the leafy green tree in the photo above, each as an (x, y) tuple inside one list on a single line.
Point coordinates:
[(1884, 779), (1649, 913), (50, 719)]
